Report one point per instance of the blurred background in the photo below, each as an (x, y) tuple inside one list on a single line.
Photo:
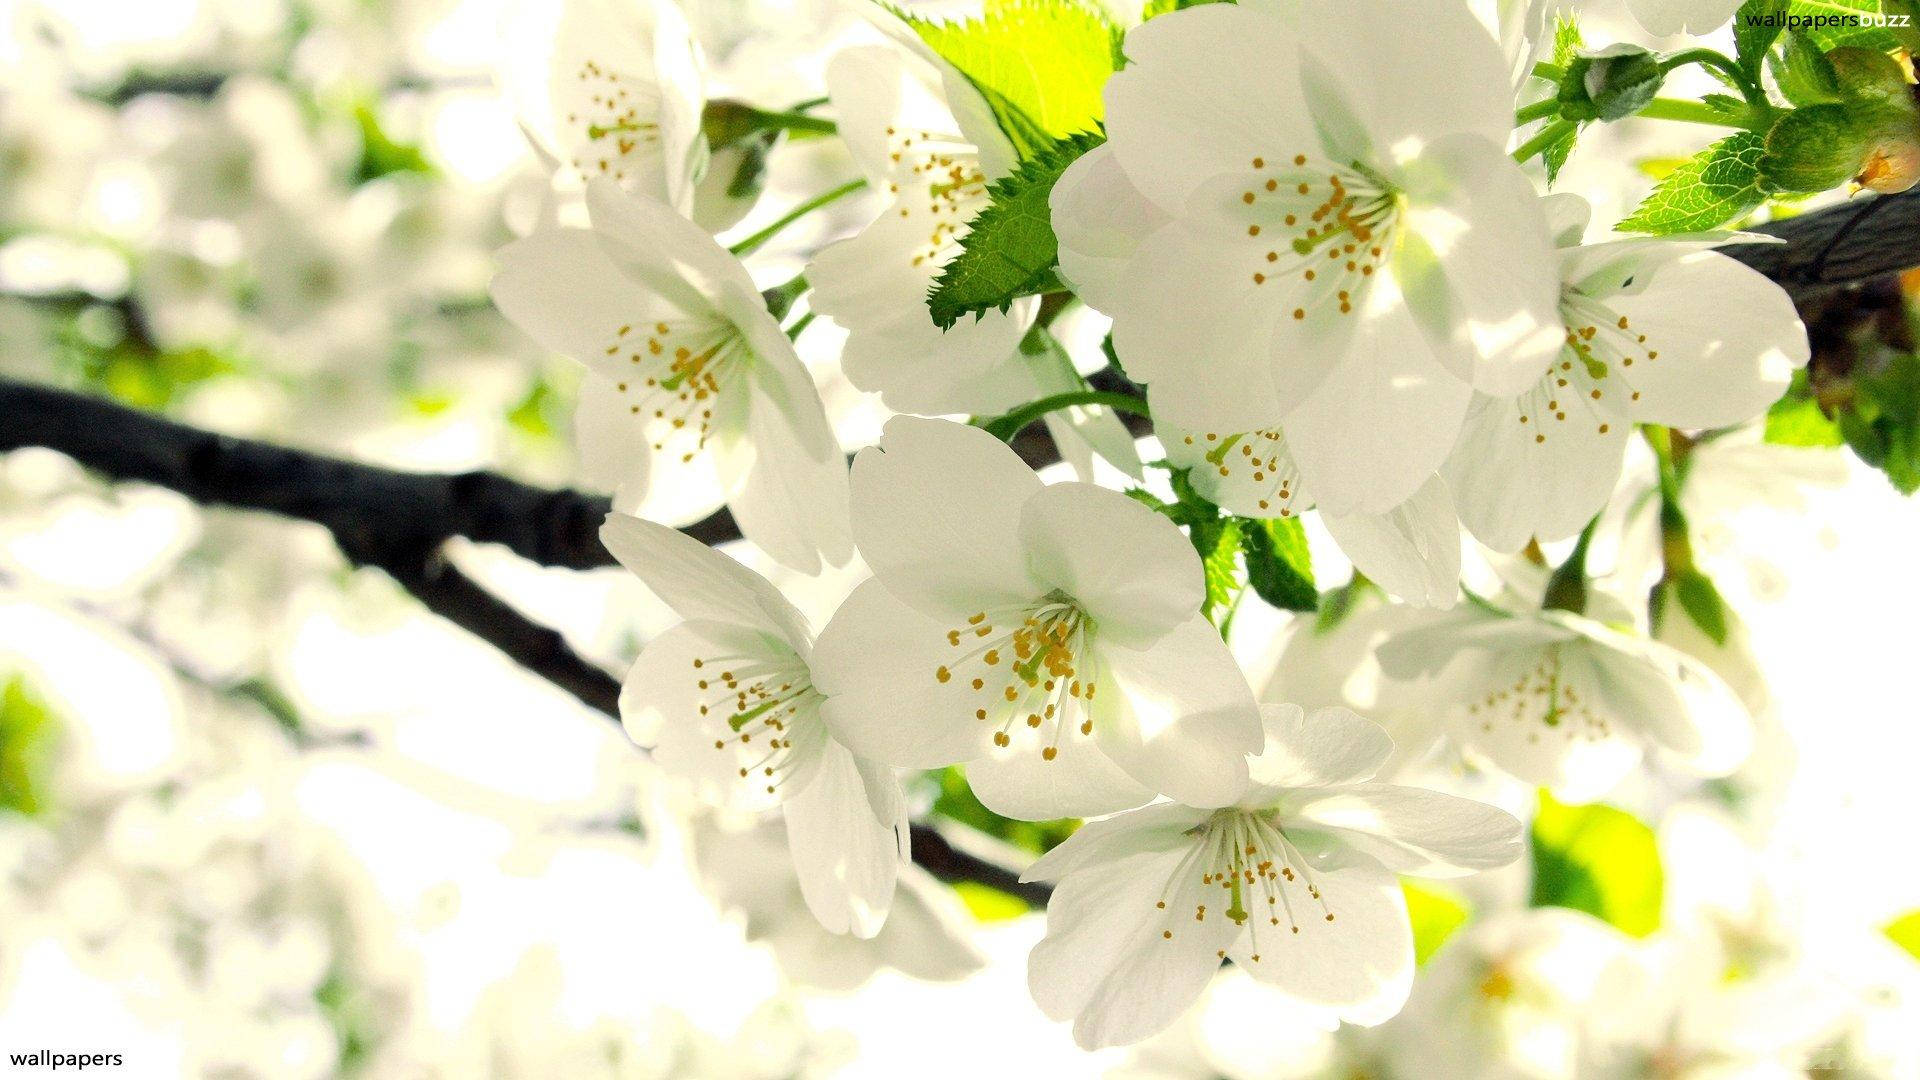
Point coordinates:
[(261, 815)]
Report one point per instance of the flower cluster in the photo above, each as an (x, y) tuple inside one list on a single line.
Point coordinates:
[(1343, 291)]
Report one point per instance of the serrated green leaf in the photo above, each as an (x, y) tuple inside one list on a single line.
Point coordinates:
[(1599, 860), (1009, 250), (1755, 31), (1279, 566), (1218, 543), (1717, 186), (1436, 912), (1040, 64), (1833, 37), (1905, 932), (1567, 42)]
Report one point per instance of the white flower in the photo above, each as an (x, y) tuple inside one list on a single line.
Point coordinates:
[(1657, 331), (1665, 18), (1503, 999), (1295, 882), (1048, 636), (1293, 230), (727, 700), (613, 89), (1564, 702), (672, 324), (1412, 550), (928, 934)]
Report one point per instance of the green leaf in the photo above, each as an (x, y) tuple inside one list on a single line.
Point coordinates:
[(1834, 36), (28, 736), (1754, 32), (1567, 42), (1279, 566), (1717, 186), (1804, 74), (1797, 420), (1218, 544), (1436, 913), (1599, 860), (1009, 250), (1040, 64), (1905, 932)]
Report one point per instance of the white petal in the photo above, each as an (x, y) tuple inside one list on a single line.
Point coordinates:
[(1412, 551), (790, 500), (1359, 965), (1213, 348), (1160, 827), (875, 661), (1711, 371), (560, 287), (1100, 219), (661, 703), (1178, 715), (1138, 581), (672, 256), (1326, 747), (1105, 962), (1080, 781), (1410, 830), (1491, 293), (1203, 94), (1514, 479), (846, 858), (936, 510), (1410, 87), (1383, 419), (698, 582)]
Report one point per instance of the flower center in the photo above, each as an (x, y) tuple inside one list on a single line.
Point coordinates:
[(1593, 378), (615, 120), (1326, 230), (765, 701), (1027, 666), (1543, 699), (948, 168), (1247, 856), (674, 374), (1257, 458)]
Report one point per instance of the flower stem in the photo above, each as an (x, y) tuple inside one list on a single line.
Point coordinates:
[(1546, 137), (1694, 112), (1735, 74), (753, 243), (1006, 427)]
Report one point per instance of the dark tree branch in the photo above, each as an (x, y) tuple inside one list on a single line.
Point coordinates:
[(1869, 237), (397, 522)]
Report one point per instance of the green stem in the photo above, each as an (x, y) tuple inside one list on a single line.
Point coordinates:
[(1011, 424), (1736, 74), (1694, 112), (796, 123), (1567, 588), (1546, 137), (1536, 111), (754, 242)]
